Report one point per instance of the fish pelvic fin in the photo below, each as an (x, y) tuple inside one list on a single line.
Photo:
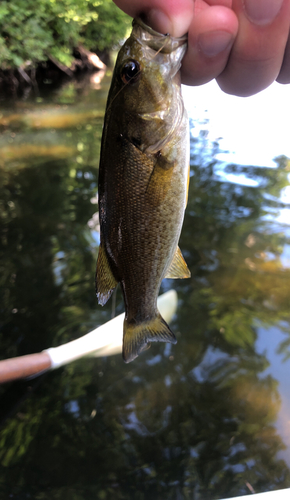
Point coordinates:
[(105, 280), (178, 267), (138, 337)]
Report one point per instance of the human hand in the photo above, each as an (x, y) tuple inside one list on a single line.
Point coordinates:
[(244, 44)]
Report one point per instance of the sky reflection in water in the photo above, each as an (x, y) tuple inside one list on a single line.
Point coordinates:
[(252, 131)]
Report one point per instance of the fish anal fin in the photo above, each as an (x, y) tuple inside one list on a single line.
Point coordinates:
[(138, 337), (105, 280), (178, 267)]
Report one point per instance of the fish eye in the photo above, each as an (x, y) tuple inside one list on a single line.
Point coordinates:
[(131, 71)]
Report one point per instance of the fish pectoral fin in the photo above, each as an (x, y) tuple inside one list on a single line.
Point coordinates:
[(160, 180), (178, 267), (105, 280), (187, 187), (138, 337)]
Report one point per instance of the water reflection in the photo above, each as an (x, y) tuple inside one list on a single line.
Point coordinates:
[(195, 420)]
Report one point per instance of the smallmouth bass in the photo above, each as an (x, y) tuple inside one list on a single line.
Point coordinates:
[(143, 181)]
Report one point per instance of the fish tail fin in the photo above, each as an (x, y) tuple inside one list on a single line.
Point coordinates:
[(138, 337)]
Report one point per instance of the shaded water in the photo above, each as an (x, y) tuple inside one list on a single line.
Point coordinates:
[(204, 419)]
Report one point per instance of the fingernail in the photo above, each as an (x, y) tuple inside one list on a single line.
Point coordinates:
[(159, 21), (214, 42), (177, 25), (262, 12)]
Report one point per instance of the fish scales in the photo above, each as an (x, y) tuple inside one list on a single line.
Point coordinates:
[(143, 181)]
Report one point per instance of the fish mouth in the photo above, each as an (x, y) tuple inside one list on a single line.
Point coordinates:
[(165, 44)]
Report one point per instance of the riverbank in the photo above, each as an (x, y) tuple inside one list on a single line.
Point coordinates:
[(55, 41), (52, 73)]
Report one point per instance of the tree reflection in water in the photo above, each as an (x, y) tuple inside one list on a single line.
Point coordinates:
[(195, 420)]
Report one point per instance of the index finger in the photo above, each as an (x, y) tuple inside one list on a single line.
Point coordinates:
[(165, 16)]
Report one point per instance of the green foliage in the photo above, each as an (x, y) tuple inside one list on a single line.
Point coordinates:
[(110, 28), (55, 27)]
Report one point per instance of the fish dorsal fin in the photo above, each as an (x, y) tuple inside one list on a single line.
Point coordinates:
[(178, 267), (138, 337), (105, 280)]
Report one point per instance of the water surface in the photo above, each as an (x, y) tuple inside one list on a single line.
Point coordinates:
[(205, 419)]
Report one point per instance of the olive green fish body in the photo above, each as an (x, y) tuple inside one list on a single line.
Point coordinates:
[(143, 183)]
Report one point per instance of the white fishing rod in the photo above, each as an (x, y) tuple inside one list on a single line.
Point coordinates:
[(105, 340)]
